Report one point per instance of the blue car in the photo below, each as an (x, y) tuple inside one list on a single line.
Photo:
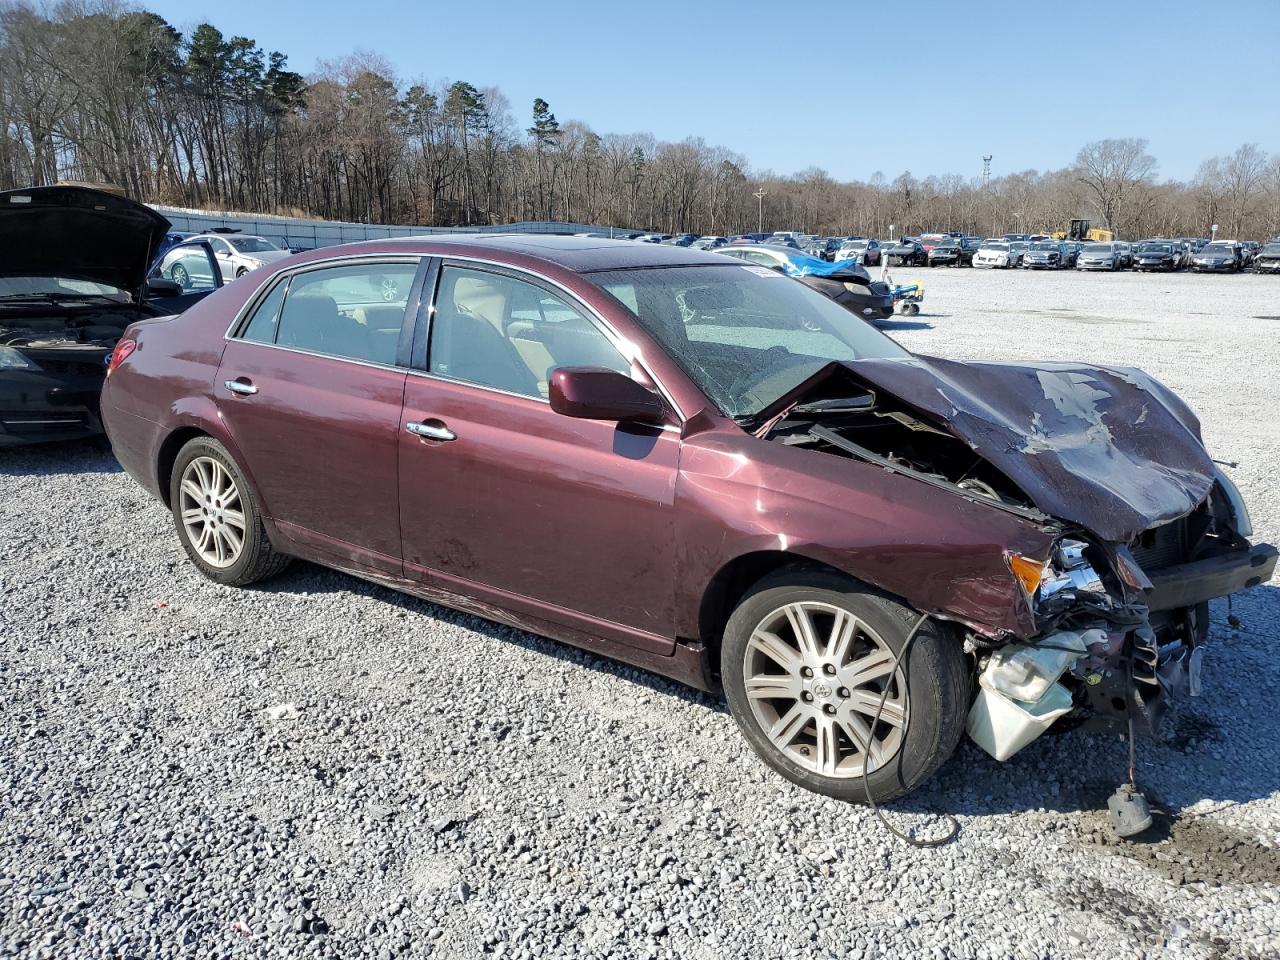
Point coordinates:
[(844, 281)]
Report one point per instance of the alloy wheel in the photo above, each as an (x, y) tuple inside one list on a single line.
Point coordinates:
[(212, 512), (814, 675)]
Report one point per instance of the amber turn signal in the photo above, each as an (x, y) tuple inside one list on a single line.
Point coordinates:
[(1029, 572)]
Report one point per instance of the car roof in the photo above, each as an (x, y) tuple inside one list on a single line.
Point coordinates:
[(577, 254)]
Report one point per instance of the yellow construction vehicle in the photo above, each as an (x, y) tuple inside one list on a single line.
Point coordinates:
[(1080, 231)]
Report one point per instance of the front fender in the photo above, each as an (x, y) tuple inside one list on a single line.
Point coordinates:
[(941, 552)]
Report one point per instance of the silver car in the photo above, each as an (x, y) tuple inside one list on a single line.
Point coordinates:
[(1100, 256), (1046, 255), (236, 254)]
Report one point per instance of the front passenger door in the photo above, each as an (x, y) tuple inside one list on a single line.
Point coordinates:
[(504, 500)]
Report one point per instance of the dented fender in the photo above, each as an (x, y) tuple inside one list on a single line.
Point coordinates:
[(939, 551)]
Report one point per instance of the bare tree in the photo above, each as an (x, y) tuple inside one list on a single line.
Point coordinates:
[(100, 90), (1112, 169)]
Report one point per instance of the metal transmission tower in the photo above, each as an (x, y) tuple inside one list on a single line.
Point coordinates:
[(986, 170)]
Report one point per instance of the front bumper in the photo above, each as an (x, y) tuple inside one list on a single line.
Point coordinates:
[(1187, 584), (1041, 264), (1213, 267), (1267, 266), (41, 407)]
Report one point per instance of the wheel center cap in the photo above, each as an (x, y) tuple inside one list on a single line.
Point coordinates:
[(821, 690)]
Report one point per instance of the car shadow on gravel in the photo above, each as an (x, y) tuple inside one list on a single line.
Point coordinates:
[(889, 326), (63, 456), (1064, 774), (308, 578)]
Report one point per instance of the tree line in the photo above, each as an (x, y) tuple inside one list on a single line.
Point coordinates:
[(99, 91)]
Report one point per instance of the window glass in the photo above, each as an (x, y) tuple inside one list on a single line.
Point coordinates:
[(744, 335), (262, 326), (219, 246), (190, 266), (496, 331), (354, 311), (253, 245)]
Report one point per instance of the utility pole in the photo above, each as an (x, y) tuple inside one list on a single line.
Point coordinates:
[(760, 195)]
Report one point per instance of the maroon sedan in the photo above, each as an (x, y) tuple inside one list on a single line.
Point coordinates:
[(706, 469)]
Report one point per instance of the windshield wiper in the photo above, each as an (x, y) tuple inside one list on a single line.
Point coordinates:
[(863, 401), (55, 297)]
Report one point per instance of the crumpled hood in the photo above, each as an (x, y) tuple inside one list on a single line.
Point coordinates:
[(78, 232), (1109, 448)]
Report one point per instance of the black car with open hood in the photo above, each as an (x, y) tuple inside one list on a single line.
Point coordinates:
[(73, 275)]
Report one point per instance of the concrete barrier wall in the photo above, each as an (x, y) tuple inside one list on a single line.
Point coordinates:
[(308, 234)]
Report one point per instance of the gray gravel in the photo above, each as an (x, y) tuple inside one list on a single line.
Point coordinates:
[(322, 768)]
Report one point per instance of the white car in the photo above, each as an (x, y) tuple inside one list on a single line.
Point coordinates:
[(994, 253), (236, 254)]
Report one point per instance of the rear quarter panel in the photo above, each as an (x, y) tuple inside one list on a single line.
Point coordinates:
[(166, 384)]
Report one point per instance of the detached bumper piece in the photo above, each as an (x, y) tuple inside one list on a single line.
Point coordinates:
[(1188, 584)]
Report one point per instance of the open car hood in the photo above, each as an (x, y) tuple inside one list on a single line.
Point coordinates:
[(80, 233), (1110, 449)]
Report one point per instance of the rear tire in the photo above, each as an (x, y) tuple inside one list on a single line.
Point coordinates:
[(217, 516), (822, 722)]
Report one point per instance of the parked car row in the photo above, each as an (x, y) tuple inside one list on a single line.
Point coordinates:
[(1021, 250)]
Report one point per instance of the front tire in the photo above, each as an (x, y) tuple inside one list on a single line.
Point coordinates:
[(217, 516), (805, 660)]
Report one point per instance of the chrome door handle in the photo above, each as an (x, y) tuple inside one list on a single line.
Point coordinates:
[(431, 431), (244, 389)]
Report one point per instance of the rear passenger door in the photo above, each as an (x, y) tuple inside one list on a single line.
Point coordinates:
[(310, 387)]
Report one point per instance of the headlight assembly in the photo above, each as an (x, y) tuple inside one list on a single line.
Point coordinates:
[(11, 359), (1240, 512)]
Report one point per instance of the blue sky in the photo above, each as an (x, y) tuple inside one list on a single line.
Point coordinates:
[(849, 87)]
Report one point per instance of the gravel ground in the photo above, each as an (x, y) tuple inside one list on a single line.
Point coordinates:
[(323, 768)]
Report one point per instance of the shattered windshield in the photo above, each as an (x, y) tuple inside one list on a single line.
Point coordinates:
[(744, 334)]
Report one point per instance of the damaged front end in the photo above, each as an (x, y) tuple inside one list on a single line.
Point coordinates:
[(1148, 528)]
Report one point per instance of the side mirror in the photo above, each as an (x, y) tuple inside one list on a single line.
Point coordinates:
[(158, 288), (597, 393)]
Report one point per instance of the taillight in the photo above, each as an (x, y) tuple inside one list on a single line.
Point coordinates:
[(118, 355)]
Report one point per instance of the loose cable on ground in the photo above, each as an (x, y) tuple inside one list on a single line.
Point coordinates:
[(954, 829)]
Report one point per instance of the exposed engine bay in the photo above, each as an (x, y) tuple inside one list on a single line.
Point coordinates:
[(63, 324), (1120, 623)]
